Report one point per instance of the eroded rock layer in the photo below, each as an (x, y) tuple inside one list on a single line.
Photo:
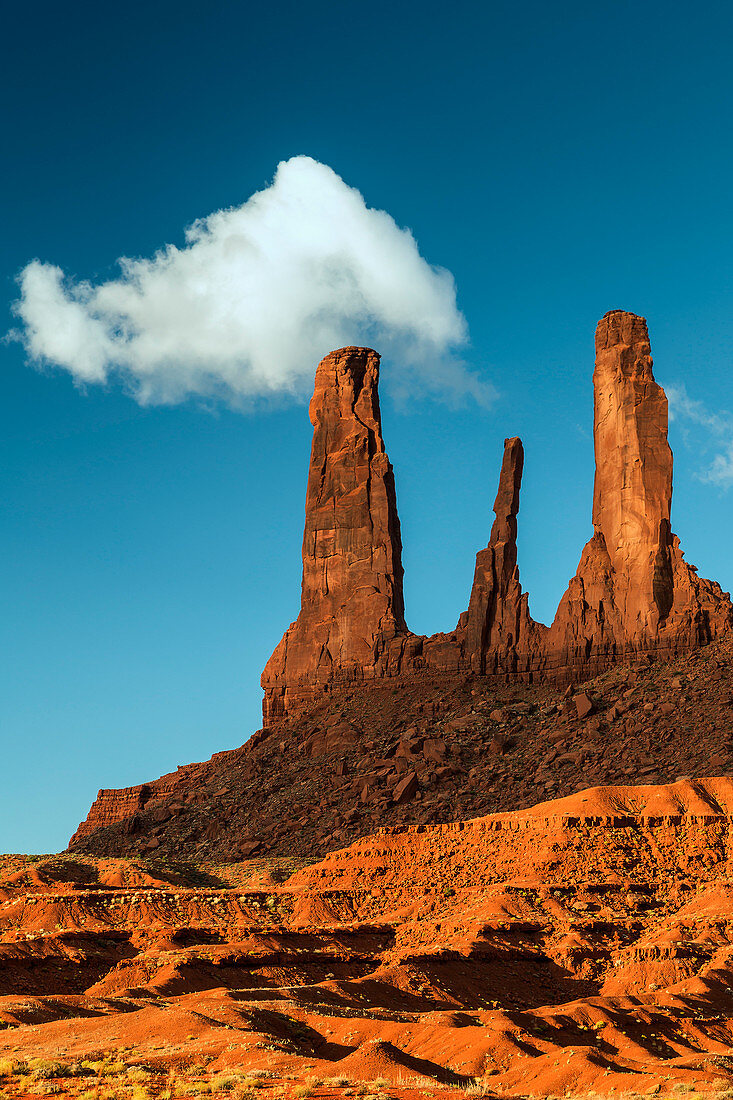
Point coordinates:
[(583, 944), (633, 591)]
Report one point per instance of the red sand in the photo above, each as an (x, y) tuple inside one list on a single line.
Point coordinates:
[(584, 944)]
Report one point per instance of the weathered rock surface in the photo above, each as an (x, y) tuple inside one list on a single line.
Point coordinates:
[(498, 634), (633, 592), (474, 712), (584, 944), (351, 601)]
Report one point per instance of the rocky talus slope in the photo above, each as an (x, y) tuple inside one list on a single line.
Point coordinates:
[(420, 751), (365, 722), (585, 943)]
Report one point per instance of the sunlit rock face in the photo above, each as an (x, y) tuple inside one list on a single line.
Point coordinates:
[(633, 592), (351, 601)]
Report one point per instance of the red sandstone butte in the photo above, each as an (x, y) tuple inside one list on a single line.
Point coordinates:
[(351, 599), (632, 593)]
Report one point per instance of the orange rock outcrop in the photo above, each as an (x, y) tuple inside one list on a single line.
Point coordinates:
[(581, 945), (633, 592), (351, 601), (497, 633)]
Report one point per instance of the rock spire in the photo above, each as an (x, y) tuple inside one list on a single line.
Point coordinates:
[(633, 593), (497, 624), (351, 598)]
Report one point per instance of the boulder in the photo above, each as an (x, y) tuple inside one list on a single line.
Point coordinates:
[(405, 790), (583, 705)]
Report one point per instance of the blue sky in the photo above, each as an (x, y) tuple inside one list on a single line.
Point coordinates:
[(558, 161)]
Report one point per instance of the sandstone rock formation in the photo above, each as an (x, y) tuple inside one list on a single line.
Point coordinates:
[(580, 946), (351, 601), (632, 593), (497, 632), (475, 744)]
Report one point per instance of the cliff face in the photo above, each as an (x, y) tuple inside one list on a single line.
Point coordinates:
[(633, 592), (632, 495), (436, 743), (351, 599)]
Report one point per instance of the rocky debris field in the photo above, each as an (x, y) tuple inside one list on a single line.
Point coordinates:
[(423, 751), (583, 945)]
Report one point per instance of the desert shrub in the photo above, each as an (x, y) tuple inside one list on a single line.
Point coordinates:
[(43, 1069), (474, 1088), (224, 1083), (303, 1091), (95, 1056), (110, 1067), (244, 1092), (138, 1074), (10, 1067), (104, 1067), (76, 1069)]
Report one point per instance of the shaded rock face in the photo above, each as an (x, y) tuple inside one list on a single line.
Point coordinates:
[(498, 634), (351, 600), (633, 592)]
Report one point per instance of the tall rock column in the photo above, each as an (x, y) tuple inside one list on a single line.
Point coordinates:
[(633, 590), (633, 483), (352, 606), (499, 632)]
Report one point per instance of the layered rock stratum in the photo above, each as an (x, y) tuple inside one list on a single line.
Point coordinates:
[(583, 944), (381, 888)]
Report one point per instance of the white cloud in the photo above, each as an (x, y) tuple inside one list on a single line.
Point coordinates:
[(256, 297), (683, 407), (720, 471)]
